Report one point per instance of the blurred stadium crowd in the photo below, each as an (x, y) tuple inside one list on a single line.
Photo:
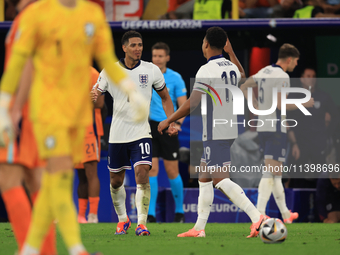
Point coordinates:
[(119, 10)]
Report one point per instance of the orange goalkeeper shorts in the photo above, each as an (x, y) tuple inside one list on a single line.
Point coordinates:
[(23, 150), (91, 149)]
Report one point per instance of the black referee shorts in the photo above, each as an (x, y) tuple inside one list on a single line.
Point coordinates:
[(163, 146)]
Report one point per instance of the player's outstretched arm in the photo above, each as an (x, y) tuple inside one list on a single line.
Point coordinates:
[(180, 101), (6, 127), (9, 85), (182, 111), (166, 102), (95, 93), (168, 109), (11, 77), (229, 50), (99, 104), (23, 48), (96, 97), (23, 92), (250, 83)]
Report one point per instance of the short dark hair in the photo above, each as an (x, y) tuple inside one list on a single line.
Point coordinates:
[(216, 37), (161, 46), (130, 34), (288, 50)]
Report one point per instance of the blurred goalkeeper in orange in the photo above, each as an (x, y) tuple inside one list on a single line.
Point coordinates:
[(19, 160), (61, 37), (89, 185)]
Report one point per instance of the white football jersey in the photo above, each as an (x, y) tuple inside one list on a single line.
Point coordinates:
[(267, 78), (123, 129), (219, 123)]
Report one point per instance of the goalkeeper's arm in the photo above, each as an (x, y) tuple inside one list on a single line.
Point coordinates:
[(9, 85), (11, 77)]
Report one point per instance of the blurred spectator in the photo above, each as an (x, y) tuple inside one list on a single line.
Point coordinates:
[(118, 10), (314, 9), (200, 10), (179, 11), (174, 4), (328, 198), (309, 138), (2, 10), (10, 11), (257, 8), (286, 8), (331, 6), (211, 9), (154, 9)]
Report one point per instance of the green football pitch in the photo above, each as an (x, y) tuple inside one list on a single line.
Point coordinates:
[(229, 239)]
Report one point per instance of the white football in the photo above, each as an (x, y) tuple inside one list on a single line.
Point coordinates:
[(273, 231)]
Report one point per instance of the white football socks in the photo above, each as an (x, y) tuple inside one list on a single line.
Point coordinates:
[(205, 200), (236, 195), (265, 191), (77, 249), (142, 202), (118, 199), (280, 198), (28, 250)]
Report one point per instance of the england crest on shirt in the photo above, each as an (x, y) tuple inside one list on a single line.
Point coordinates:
[(143, 80)]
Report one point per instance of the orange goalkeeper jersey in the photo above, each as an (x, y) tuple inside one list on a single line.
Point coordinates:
[(62, 42)]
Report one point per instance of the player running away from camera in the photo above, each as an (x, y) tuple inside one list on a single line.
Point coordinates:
[(128, 140), (19, 160), (62, 37), (89, 185), (273, 136), (216, 140)]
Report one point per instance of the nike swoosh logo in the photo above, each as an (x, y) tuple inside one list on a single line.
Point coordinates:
[(145, 157)]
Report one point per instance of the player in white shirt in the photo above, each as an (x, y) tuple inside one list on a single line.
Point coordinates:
[(216, 140), (273, 135), (129, 140)]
